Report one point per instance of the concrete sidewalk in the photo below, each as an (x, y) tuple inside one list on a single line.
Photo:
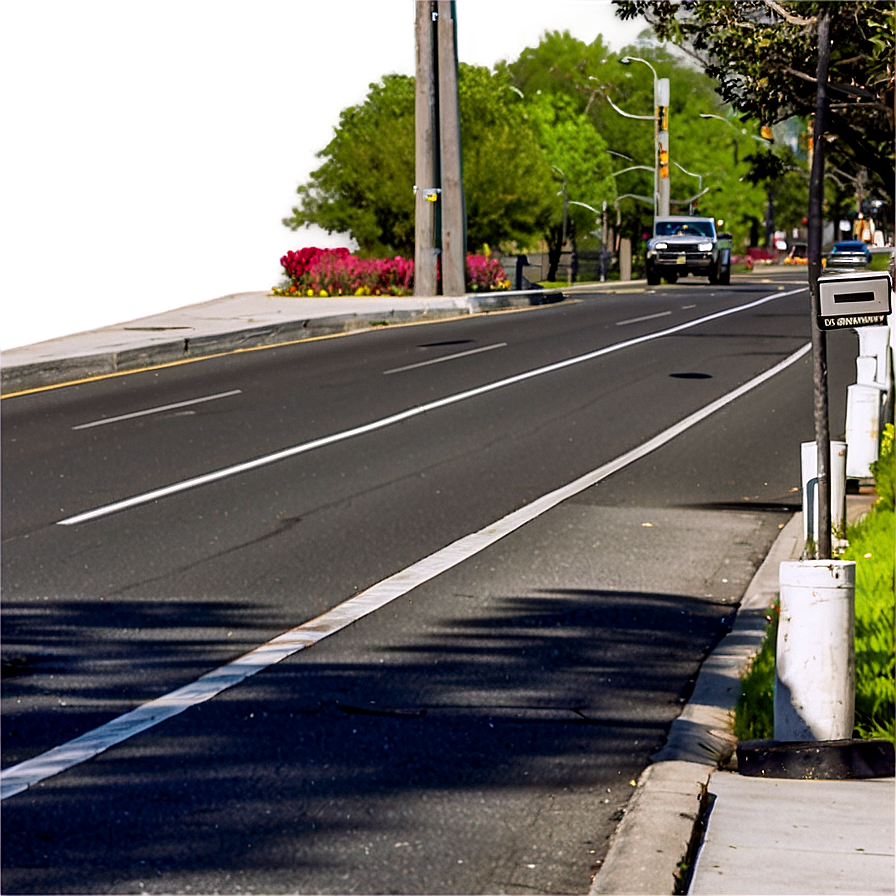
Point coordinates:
[(749, 835), (763, 836)]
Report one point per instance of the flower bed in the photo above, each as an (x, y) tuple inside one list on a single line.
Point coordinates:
[(336, 272)]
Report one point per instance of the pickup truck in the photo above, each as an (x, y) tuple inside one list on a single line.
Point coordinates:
[(684, 244)]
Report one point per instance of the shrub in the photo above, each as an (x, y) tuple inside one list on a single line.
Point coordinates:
[(485, 274), (314, 271), (336, 272), (883, 470)]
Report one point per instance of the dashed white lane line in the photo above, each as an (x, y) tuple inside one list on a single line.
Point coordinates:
[(236, 469), (637, 320), (159, 410), (472, 351), (19, 777)]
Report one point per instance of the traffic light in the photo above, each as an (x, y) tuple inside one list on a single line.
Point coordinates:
[(662, 117), (664, 162)]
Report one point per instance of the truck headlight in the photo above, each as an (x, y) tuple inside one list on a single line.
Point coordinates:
[(704, 247), (660, 245)]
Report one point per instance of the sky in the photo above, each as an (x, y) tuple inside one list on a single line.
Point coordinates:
[(152, 150)]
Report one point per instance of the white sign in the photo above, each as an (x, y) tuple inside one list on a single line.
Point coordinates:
[(862, 299)]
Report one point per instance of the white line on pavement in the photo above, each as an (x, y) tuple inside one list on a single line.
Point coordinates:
[(236, 469), (158, 410), (19, 777), (472, 351), (637, 320)]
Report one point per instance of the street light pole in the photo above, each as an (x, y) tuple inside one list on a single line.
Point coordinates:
[(661, 186), (662, 144)]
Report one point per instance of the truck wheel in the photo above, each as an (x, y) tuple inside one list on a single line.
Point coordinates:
[(653, 278), (671, 278), (713, 276), (725, 275)]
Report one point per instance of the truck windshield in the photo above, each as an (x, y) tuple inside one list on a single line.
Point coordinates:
[(684, 228)]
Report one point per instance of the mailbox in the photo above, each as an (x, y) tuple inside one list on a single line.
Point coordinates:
[(854, 300)]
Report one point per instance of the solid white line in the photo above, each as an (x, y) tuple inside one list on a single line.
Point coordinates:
[(158, 410), (244, 467), (472, 351), (19, 777), (637, 320)]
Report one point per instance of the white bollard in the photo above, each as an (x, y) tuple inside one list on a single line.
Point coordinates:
[(874, 342), (815, 670), (864, 405), (866, 370), (837, 474)]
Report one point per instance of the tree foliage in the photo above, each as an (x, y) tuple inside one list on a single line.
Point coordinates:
[(588, 76), (365, 185), (763, 53)]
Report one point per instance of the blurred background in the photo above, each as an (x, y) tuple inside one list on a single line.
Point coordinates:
[(151, 150)]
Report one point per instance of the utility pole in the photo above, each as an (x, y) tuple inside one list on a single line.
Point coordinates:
[(454, 236), (819, 343), (426, 151), (662, 144)]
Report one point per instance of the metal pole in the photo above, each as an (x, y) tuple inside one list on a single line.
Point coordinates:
[(656, 150), (453, 213), (426, 154), (662, 118), (819, 343)]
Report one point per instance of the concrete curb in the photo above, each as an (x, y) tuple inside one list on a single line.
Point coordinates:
[(56, 371), (660, 830)]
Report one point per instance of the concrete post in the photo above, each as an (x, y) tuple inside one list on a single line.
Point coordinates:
[(625, 259), (815, 652), (809, 461), (863, 414)]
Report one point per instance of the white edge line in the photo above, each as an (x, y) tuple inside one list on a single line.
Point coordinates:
[(20, 777), (472, 351), (156, 494), (158, 410)]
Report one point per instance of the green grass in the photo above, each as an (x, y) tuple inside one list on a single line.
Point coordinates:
[(871, 546), (879, 261)]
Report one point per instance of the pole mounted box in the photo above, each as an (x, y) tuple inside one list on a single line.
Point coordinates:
[(861, 299)]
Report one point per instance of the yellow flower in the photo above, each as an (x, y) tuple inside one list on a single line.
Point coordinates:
[(324, 294), (310, 292)]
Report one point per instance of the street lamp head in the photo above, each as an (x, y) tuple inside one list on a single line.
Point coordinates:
[(626, 60)]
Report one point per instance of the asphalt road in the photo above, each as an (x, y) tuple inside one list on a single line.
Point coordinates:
[(478, 733)]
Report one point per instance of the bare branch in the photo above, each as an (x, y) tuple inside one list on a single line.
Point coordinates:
[(792, 19)]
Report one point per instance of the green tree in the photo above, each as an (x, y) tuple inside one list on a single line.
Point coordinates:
[(365, 185), (763, 54), (578, 157), (588, 76), (507, 178)]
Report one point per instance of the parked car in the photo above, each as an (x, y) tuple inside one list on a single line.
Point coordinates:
[(849, 254)]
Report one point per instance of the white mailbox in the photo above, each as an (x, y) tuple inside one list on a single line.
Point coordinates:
[(861, 299)]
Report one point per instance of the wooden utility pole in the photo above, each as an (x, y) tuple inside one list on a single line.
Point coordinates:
[(454, 235), (819, 343), (426, 153)]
